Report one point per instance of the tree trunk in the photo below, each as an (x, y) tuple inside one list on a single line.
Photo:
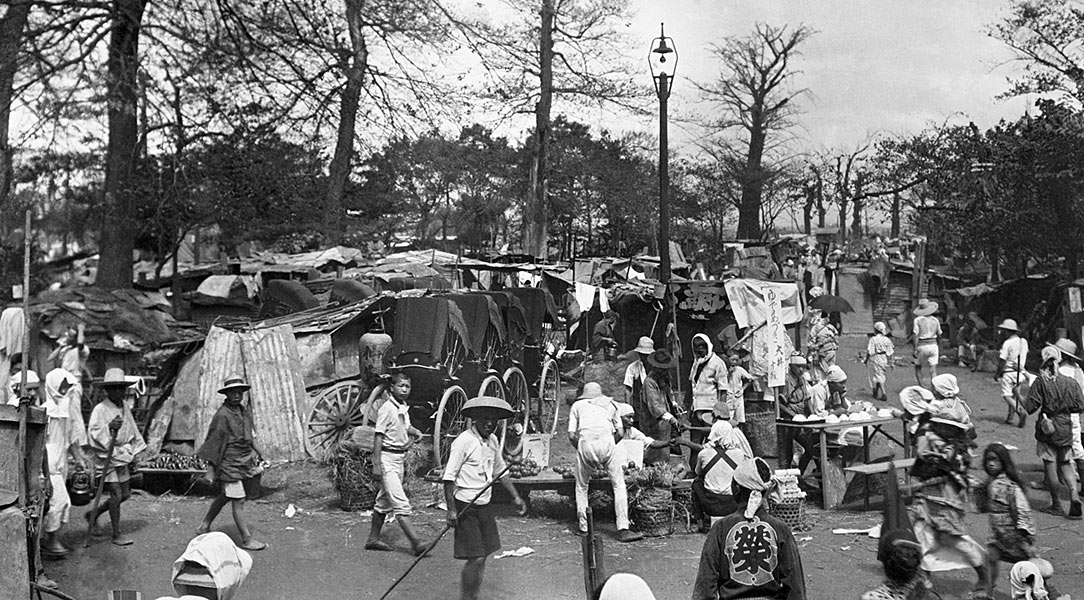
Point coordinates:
[(11, 37), (856, 219), (535, 242), (821, 212), (119, 228), (751, 187), (895, 233), (807, 212), (843, 205), (339, 168)]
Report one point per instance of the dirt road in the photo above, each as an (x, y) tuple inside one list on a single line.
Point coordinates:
[(318, 553)]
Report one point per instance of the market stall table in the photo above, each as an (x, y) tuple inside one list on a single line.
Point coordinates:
[(834, 484)]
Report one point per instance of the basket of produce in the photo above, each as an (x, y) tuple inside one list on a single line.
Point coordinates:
[(790, 507), (169, 462), (352, 473), (651, 500)]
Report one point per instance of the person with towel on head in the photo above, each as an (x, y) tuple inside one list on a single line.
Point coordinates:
[(234, 462), (927, 334), (594, 427), (750, 553), (112, 417), (714, 466), (65, 436), (631, 433), (474, 459), (1027, 581), (635, 375), (1056, 397), (879, 352), (624, 586), (1010, 370), (709, 385)]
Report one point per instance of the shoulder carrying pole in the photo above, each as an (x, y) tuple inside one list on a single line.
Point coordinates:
[(101, 486)]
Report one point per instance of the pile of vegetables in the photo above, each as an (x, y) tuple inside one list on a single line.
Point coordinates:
[(175, 462), (565, 470), (523, 468)]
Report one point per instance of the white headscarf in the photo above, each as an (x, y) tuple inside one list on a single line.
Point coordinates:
[(625, 586), (945, 385), (1021, 590), (697, 361), (747, 475), (56, 403), (729, 437)]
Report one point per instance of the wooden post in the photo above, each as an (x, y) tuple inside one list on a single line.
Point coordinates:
[(920, 268), (24, 406)]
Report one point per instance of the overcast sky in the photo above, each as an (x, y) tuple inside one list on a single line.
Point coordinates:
[(872, 67)]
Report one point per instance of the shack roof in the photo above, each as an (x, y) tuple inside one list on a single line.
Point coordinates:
[(144, 319)]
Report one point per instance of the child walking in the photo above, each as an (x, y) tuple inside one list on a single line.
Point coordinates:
[(235, 462), (394, 436), (1011, 521), (112, 418)]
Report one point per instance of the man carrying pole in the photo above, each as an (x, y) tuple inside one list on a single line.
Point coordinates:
[(473, 462)]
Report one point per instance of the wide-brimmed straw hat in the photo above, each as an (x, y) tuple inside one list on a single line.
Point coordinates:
[(1009, 325), (115, 378), (487, 406), (234, 382), (592, 390), (1067, 347), (644, 346), (662, 359), (925, 307)]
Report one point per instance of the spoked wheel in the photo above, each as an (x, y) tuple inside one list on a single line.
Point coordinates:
[(449, 422), (547, 406), (337, 411), (519, 398), (377, 398)]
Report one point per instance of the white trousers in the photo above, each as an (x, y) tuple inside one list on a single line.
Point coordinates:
[(591, 454)]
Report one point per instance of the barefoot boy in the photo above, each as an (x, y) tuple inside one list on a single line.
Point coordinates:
[(394, 436), (234, 460)]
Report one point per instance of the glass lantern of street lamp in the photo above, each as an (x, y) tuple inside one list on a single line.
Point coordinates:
[(663, 60)]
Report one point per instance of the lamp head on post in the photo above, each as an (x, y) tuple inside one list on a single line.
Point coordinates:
[(663, 60)]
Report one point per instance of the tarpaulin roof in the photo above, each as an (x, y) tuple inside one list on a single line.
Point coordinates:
[(143, 318), (235, 290)]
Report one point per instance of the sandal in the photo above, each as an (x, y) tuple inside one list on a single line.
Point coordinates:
[(1076, 511)]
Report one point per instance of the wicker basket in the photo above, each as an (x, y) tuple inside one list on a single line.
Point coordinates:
[(653, 522), (352, 473), (791, 512)]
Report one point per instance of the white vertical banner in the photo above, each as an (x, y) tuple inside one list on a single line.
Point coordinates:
[(777, 338), (1074, 300)]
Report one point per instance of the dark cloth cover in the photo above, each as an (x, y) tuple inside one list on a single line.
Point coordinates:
[(538, 307), (1057, 398)]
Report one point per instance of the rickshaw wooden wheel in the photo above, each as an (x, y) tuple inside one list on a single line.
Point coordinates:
[(548, 408), (372, 404), (337, 411), (449, 422), (519, 398)]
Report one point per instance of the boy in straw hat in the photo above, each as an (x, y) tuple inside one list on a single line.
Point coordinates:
[(111, 417), (235, 462), (593, 427), (474, 459), (635, 376), (750, 554)]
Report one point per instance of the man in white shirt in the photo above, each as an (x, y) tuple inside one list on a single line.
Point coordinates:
[(593, 429), (1010, 369), (635, 374)]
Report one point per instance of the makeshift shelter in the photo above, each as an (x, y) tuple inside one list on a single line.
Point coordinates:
[(228, 298)]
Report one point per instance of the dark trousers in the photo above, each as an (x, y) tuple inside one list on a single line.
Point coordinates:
[(707, 503)]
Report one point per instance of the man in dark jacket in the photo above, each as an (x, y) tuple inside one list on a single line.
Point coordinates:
[(234, 460), (750, 554)]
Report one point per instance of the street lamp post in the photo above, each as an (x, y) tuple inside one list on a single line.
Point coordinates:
[(663, 62)]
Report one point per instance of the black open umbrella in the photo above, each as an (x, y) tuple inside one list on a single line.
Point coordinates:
[(832, 304)]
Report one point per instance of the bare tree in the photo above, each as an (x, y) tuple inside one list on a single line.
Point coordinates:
[(756, 96)]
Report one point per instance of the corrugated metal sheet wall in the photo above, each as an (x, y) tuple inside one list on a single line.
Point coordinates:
[(221, 358), (278, 391)]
